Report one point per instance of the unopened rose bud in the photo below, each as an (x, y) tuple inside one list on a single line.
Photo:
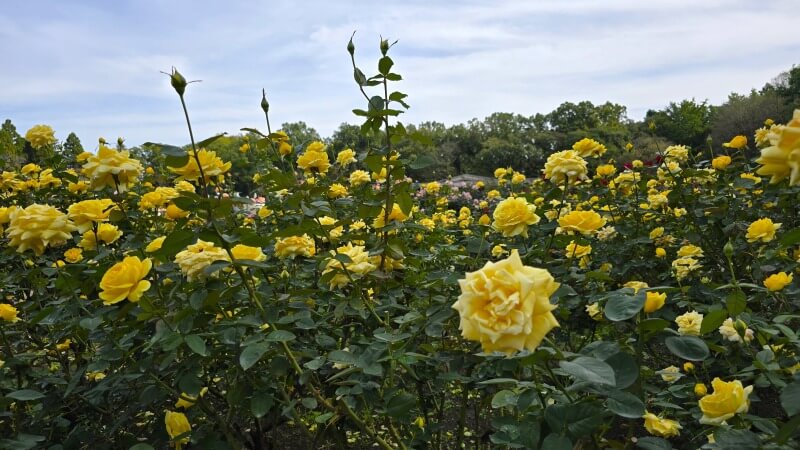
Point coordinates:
[(728, 249), (350, 47), (700, 390), (264, 102), (740, 327), (688, 367), (384, 47), (178, 82)]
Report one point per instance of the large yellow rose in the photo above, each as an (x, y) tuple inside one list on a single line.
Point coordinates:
[(8, 312), (241, 251), (395, 215), (292, 246), (762, 230), (88, 212), (565, 166), (196, 257), (506, 306), (359, 265), (125, 279), (689, 323), (36, 227), (659, 426), (782, 159), (584, 222), (314, 159), (513, 216), (40, 136), (589, 147), (214, 168), (727, 400), (115, 169)]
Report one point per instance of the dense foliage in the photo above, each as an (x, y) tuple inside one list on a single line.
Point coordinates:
[(583, 302)]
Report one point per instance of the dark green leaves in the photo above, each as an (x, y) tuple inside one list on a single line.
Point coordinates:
[(252, 353), (690, 348), (790, 398), (25, 395), (592, 370), (623, 306)]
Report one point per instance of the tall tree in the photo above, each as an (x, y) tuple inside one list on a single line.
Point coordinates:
[(71, 147), (685, 123), (12, 145)]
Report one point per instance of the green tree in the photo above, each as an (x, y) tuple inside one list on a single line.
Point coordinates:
[(300, 133), (787, 85), (685, 123), (743, 114), (348, 136), (71, 147), (12, 146)]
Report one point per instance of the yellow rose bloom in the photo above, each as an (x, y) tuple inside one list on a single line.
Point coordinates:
[(594, 311), (125, 279), (177, 424), (778, 281), (762, 230), (499, 250), (657, 232), (359, 177), (396, 215), (485, 220), (214, 169), (73, 255), (782, 158), (518, 178), (8, 312), (241, 251), (186, 401), (738, 142), (345, 157), (37, 227), (494, 193), (574, 250), (40, 136), (721, 162), (173, 212), (678, 153), (727, 400), (88, 212), (337, 190), (314, 159), (196, 257), (112, 168), (690, 250), (500, 172), (584, 222), (155, 245), (433, 188), (565, 167), (660, 252), (654, 301), (359, 265), (292, 246), (506, 305), (513, 215), (689, 323), (636, 285), (658, 426), (606, 170), (106, 233), (589, 147)]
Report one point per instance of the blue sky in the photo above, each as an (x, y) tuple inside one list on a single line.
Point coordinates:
[(93, 67)]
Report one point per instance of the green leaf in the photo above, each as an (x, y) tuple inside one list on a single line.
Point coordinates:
[(712, 321), (736, 302), (25, 395), (625, 404), (592, 370), (504, 398), (421, 162), (556, 442), (252, 353), (621, 306), (790, 237), (196, 343), (206, 142), (787, 430), (175, 242), (142, 446), (790, 398), (626, 371), (260, 404), (653, 443), (281, 336), (690, 348), (400, 404), (385, 65), (577, 419), (732, 439), (91, 323)]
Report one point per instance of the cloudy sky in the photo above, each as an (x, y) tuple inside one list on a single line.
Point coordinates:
[(93, 67)]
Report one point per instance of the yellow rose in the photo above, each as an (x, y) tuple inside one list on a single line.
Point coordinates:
[(690, 250), (605, 170), (8, 312), (782, 158), (213, 167), (186, 401), (396, 215), (37, 227), (358, 266), (345, 157), (88, 212), (700, 390), (727, 400), (484, 220), (337, 190), (670, 374), (40, 136), (173, 212), (589, 147), (177, 425), (574, 250), (584, 222), (636, 285), (506, 306), (513, 215), (594, 311), (654, 301), (500, 172), (433, 188), (658, 426), (73, 255), (678, 153), (195, 258), (721, 162), (241, 251), (314, 159), (518, 178), (155, 245), (125, 279), (106, 233), (738, 142), (359, 177), (660, 252), (565, 167), (292, 246), (111, 168), (762, 230), (778, 281), (689, 323)]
